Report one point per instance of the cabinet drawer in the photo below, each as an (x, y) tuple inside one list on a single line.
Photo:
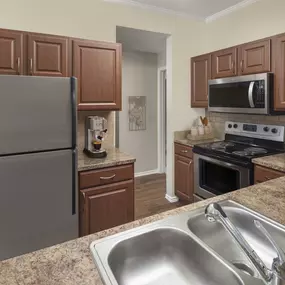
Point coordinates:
[(262, 174), (105, 176), (183, 150)]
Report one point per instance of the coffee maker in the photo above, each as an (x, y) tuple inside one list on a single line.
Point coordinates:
[(95, 131)]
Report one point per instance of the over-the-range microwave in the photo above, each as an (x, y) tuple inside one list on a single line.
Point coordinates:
[(248, 94)]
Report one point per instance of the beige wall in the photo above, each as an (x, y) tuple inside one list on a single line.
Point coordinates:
[(259, 20), (140, 79)]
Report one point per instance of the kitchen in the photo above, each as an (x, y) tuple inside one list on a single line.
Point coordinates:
[(266, 198)]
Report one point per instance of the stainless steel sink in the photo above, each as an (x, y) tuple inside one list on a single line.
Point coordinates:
[(185, 249), (218, 239), (166, 256)]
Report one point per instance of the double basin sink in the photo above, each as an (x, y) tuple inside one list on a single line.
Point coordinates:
[(187, 250)]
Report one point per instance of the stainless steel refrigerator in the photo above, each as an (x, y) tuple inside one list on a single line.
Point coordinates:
[(38, 163)]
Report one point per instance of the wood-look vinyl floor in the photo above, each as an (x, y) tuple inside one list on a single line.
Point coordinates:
[(150, 196)]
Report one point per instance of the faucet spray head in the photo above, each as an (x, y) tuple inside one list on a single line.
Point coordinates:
[(213, 212)]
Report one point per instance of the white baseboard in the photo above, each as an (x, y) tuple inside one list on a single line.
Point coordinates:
[(149, 172), (171, 199)]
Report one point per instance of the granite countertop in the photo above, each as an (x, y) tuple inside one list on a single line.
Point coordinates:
[(114, 157), (193, 143), (276, 162), (71, 263)]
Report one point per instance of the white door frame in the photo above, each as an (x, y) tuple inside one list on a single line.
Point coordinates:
[(161, 122)]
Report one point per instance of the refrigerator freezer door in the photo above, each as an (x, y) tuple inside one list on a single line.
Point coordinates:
[(36, 113), (36, 202)]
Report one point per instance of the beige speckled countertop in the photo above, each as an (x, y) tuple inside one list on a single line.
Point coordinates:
[(276, 162), (71, 263), (114, 157), (193, 143)]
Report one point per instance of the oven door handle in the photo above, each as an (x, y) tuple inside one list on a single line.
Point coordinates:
[(250, 94), (220, 162)]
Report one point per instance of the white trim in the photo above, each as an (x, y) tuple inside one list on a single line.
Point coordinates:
[(229, 10), (171, 199), (186, 15), (160, 122), (156, 9), (149, 172)]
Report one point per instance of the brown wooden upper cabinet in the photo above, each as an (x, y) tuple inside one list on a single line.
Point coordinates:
[(224, 63), (97, 66), (279, 84), (11, 52), (200, 74), (47, 55), (255, 57)]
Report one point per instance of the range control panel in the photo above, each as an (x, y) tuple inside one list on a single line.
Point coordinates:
[(268, 132)]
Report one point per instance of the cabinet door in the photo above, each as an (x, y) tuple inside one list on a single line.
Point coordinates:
[(200, 74), (279, 63), (11, 52), (106, 207), (263, 174), (97, 66), (255, 57), (48, 55), (224, 63), (184, 186)]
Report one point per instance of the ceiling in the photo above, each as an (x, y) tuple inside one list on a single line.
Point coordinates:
[(200, 9), (139, 40)]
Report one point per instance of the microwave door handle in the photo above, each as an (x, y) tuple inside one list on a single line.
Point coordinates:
[(250, 94)]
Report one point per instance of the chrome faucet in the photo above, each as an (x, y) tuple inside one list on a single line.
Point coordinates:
[(274, 276)]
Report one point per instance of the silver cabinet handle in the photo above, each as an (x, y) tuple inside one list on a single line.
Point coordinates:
[(184, 151), (241, 65), (31, 66), (250, 94), (108, 178), (233, 66), (18, 65)]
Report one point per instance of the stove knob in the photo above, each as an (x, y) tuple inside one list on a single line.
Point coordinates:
[(230, 126), (235, 126), (266, 129), (274, 131)]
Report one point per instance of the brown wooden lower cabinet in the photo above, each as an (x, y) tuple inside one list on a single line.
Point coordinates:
[(263, 174), (108, 205), (184, 172)]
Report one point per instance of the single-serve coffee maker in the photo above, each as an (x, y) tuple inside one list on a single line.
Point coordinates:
[(95, 131)]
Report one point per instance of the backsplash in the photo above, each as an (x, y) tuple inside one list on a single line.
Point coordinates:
[(109, 116), (218, 120)]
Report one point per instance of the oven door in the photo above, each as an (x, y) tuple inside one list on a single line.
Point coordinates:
[(242, 94), (214, 177)]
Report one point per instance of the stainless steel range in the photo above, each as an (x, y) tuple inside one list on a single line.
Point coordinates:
[(225, 166)]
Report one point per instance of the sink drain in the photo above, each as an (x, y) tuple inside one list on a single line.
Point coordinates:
[(244, 268)]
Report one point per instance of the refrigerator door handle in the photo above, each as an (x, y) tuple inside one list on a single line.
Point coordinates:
[(74, 181), (74, 110)]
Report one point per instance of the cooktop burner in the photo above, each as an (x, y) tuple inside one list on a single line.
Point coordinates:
[(251, 151), (236, 149), (244, 142)]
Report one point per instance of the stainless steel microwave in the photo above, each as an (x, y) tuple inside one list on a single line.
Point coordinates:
[(249, 94)]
